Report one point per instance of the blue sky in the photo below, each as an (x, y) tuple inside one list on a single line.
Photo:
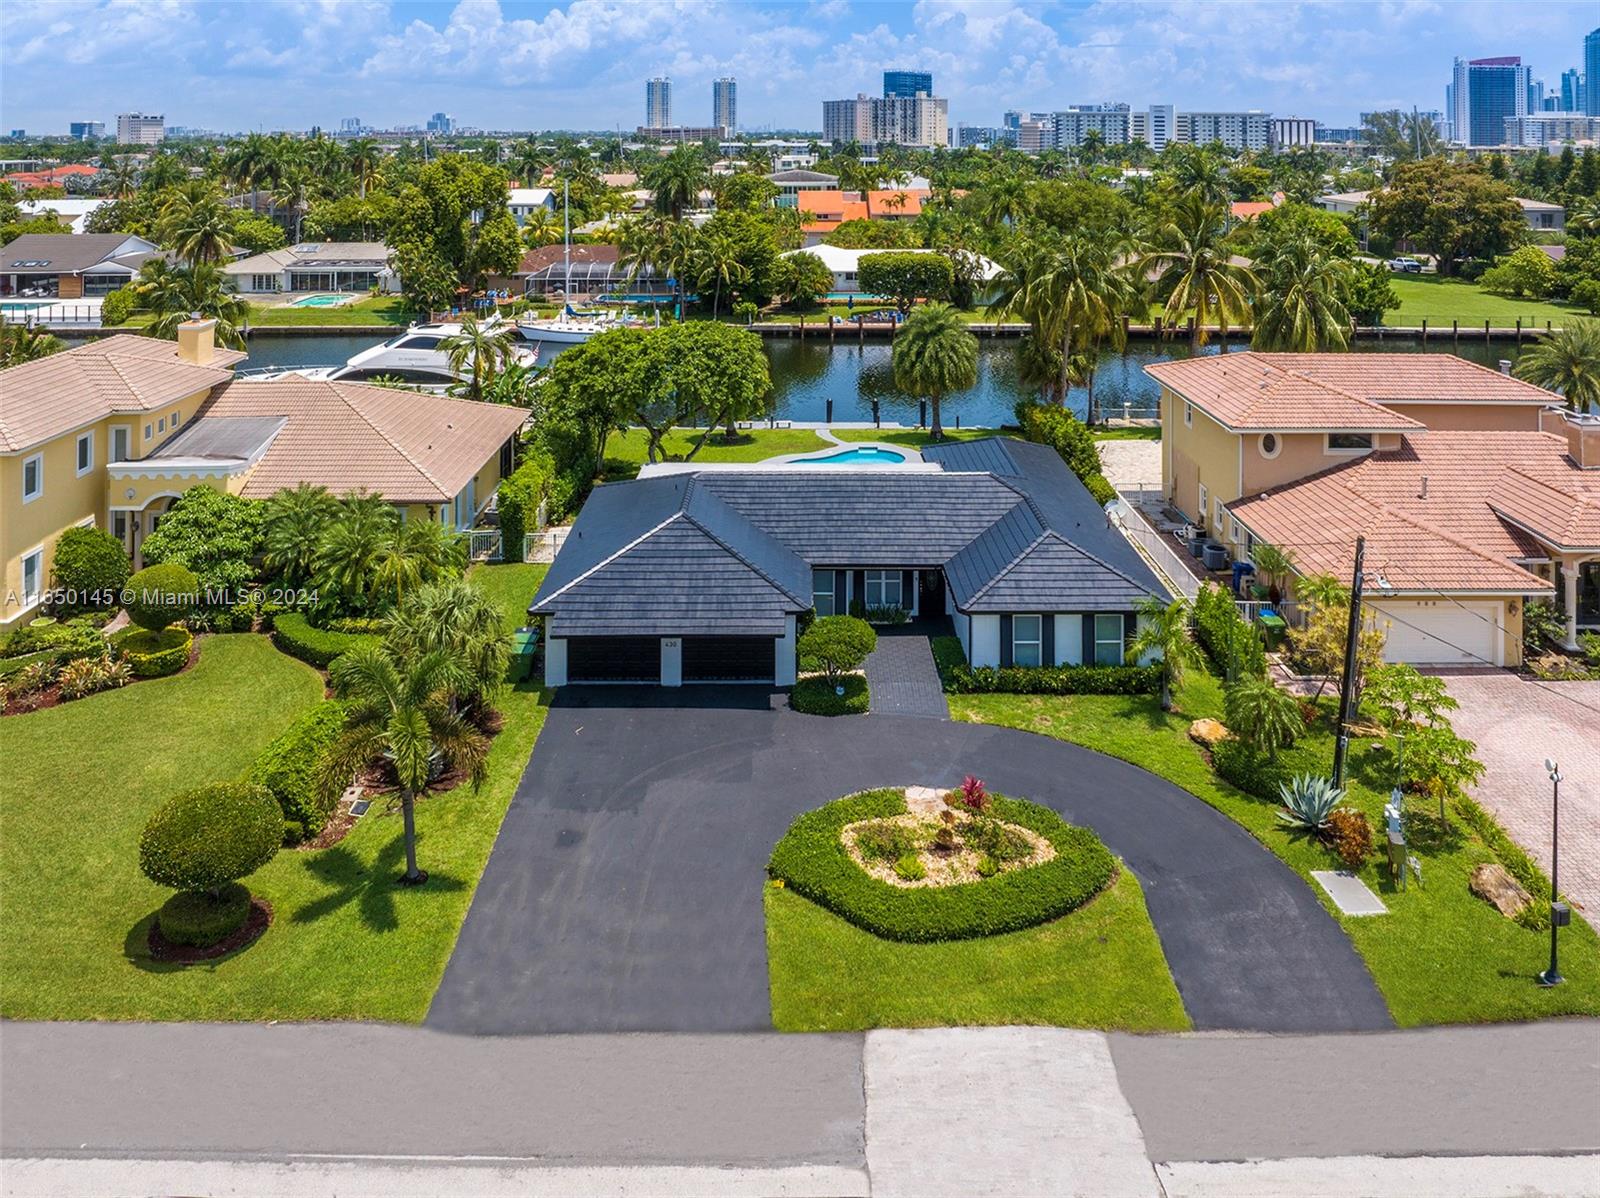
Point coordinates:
[(271, 64)]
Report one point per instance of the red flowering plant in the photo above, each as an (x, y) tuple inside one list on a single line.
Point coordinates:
[(974, 796)]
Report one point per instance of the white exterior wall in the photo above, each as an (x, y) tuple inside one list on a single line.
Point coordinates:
[(671, 661), (783, 666), (985, 647), (1069, 640), (555, 662)]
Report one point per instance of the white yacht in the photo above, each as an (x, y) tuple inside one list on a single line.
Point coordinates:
[(569, 328), (415, 356)]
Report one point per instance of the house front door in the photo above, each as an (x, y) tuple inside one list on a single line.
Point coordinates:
[(930, 588)]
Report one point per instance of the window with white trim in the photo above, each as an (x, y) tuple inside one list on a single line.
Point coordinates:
[(149, 431), (1027, 640), (85, 453), (121, 435), (1188, 413), (1205, 505), (883, 588), (119, 526), (1270, 445), (32, 477), (1108, 640), (1349, 442), (177, 418), (822, 592), (32, 576)]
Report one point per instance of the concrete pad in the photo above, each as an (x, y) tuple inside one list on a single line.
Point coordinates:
[(1349, 893), (968, 1112), (1386, 1177)]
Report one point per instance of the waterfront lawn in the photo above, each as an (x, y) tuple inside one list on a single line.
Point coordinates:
[(1101, 966), (625, 452), (345, 943), (1439, 301), (1441, 955), (363, 313), (911, 438)]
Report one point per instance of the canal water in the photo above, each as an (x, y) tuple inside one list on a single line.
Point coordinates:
[(806, 374)]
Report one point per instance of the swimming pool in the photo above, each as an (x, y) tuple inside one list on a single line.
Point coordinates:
[(864, 455), (24, 305), (320, 301)]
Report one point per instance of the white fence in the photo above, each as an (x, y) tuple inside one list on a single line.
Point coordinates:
[(1293, 613), (54, 314), (1161, 555)]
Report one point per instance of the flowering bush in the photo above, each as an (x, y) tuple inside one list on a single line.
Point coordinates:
[(974, 796)]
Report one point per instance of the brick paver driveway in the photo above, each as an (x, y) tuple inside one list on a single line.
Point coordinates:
[(1517, 724)]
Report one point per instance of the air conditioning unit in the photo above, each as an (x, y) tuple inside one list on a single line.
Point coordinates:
[(1215, 557)]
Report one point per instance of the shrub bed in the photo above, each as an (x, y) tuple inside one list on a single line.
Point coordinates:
[(1054, 680), (194, 917), (812, 860), (815, 696), (288, 769), (155, 654), (294, 635), (1224, 635)]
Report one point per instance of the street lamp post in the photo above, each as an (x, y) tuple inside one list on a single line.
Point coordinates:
[(1559, 911)]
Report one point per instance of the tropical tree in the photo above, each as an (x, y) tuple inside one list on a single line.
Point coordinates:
[(120, 177), (1302, 307), (1192, 266), (677, 180), (934, 354), (719, 263), (175, 293), (1261, 715), (1566, 361), (197, 224), (480, 351), (415, 554), (362, 157), (1163, 633), (291, 528), (540, 228), (348, 552), (400, 708), (21, 343), (459, 619)]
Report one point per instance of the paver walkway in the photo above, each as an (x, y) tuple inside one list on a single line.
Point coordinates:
[(901, 676), (1517, 724)]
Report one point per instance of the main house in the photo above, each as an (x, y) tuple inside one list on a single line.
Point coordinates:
[(1475, 495), (110, 435), (703, 574)]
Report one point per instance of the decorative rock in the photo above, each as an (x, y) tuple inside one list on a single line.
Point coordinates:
[(1493, 883), (1209, 733)]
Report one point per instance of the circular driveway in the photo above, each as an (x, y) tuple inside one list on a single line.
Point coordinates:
[(624, 890)]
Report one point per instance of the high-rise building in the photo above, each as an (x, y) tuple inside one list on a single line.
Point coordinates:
[(350, 124), (1551, 129), (1073, 125), (1155, 127), (441, 122), (1571, 83), (84, 130), (920, 120), (140, 129), (657, 102), (845, 121), (1293, 131), (1483, 92), (1236, 130), (725, 105), (1591, 73), (907, 83)]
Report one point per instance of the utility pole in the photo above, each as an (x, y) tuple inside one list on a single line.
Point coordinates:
[(1352, 636)]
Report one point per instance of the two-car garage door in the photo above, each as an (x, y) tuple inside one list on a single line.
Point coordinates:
[(638, 659), (1442, 632)]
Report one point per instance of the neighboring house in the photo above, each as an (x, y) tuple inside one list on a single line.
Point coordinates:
[(73, 176), (111, 433), (823, 211), (72, 265), (846, 265), (70, 211), (791, 184), (316, 266), (1305, 451), (590, 269), (694, 575), (523, 200), (1538, 214)]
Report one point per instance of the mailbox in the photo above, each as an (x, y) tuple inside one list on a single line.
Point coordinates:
[(1560, 915)]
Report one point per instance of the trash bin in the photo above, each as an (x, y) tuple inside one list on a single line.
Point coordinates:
[(1240, 570), (1273, 629), (524, 646)]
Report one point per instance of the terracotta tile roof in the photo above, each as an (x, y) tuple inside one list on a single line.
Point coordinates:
[(888, 203), (1397, 378), (825, 211), (1250, 392), (43, 399), (553, 255), (1250, 209), (406, 446), (1432, 511)]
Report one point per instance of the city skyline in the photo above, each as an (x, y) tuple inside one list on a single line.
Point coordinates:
[(206, 64)]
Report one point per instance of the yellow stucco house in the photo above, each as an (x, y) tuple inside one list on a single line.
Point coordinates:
[(110, 434), (1475, 494)]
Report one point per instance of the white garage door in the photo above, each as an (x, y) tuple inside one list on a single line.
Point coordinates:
[(1441, 633)]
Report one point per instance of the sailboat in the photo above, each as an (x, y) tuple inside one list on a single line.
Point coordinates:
[(570, 327)]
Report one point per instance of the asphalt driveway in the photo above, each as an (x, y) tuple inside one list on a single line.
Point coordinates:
[(624, 891)]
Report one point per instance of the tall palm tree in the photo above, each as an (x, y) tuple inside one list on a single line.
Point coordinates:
[(415, 554), (1003, 200), (400, 708), (480, 351), (292, 191), (717, 261), (292, 525), (540, 228), (1163, 633), (1301, 308), (1197, 171), (1566, 361), (457, 618), (677, 180), (1192, 265), (349, 549), (120, 177), (935, 354), (174, 293), (362, 156), (197, 224)]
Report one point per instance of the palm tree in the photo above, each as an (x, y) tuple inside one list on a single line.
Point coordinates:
[(1301, 308), (1164, 633), (1566, 361), (718, 261), (677, 180), (935, 354), (363, 156), (21, 343), (292, 526), (480, 351), (120, 177), (1586, 219), (1004, 201), (293, 191), (540, 228), (1197, 171), (400, 708), (457, 618), (349, 548), (197, 224), (174, 293), (415, 554), (1192, 263)]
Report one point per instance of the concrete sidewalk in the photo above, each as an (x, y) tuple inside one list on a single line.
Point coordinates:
[(356, 1109)]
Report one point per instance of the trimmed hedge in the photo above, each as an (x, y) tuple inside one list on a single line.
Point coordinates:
[(815, 697), (293, 634), (288, 769), (1225, 636), (90, 569), (193, 917), (62, 642), (812, 861), (1054, 680), (155, 654), (203, 839)]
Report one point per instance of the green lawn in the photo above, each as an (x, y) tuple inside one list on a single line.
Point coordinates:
[(1100, 966), (346, 942), (1439, 301), (911, 438), (625, 452), (381, 310), (1439, 956)]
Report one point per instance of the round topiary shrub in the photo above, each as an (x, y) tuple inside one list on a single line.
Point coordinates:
[(90, 569), (160, 595), (154, 654), (203, 839), (817, 696), (836, 645), (195, 918)]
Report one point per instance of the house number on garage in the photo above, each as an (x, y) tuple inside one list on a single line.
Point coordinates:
[(670, 642)]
